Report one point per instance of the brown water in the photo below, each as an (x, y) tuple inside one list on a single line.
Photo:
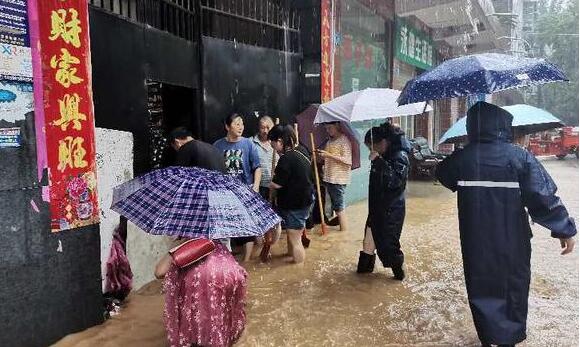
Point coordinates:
[(325, 303)]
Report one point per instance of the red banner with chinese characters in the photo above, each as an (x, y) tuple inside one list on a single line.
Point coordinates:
[(68, 112), (325, 51)]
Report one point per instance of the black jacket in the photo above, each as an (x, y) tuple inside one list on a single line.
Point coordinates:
[(496, 181), (200, 154), (388, 177)]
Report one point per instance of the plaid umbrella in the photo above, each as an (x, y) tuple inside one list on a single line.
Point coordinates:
[(193, 202)]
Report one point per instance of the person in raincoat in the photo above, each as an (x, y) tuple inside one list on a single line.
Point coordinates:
[(495, 182), (387, 182)]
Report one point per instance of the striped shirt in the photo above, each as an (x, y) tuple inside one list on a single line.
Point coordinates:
[(265, 152), (336, 172)]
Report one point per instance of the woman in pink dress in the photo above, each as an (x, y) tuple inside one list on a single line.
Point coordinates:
[(204, 303)]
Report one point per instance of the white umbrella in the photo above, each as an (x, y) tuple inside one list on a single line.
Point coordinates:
[(367, 104)]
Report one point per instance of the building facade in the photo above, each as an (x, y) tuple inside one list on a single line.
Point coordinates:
[(158, 64), (387, 43)]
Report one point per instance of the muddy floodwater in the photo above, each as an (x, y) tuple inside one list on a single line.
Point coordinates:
[(325, 303)]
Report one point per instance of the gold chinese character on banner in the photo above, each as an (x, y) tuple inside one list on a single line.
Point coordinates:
[(325, 19), (68, 30), (66, 73), (71, 153), (69, 112), (325, 39), (325, 59)]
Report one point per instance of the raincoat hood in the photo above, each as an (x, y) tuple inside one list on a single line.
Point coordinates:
[(488, 123)]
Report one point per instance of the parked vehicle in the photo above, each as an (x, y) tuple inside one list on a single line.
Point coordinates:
[(423, 159), (560, 143)]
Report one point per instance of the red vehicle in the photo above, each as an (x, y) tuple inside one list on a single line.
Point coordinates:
[(559, 142)]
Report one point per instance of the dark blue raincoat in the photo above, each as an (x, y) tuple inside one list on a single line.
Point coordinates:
[(387, 183), (495, 182)]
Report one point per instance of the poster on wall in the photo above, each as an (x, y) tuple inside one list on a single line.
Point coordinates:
[(362, 64), (16, 98), (16, 101), (15, 57), (67, 108), (9, 137)]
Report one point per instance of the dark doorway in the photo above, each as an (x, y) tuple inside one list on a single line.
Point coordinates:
[(169, 106)]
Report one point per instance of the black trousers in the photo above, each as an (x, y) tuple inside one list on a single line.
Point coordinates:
[(386, 226)]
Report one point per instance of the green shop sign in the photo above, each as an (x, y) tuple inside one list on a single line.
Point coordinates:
[(413, 46)]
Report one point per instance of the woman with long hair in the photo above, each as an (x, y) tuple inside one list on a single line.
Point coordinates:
[(389, 151), (293, 183)]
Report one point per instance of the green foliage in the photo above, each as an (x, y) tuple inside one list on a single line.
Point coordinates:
[(556, 39)]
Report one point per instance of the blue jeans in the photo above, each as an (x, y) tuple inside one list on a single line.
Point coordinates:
[(295, 219), (336, 192)]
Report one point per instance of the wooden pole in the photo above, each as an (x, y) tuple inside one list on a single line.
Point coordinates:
[(296, 132), (320, 207)]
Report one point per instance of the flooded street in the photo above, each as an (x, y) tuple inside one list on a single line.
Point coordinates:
[(325, 303)]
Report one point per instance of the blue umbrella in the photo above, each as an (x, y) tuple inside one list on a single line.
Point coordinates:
[(479, 74), (527, 119), (193, 202)]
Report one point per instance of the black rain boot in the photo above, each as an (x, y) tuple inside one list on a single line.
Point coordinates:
[(398, 272), (333, 222), (366, 263)]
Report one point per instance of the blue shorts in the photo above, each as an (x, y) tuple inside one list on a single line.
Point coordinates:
[(295, 219), (336, 192)]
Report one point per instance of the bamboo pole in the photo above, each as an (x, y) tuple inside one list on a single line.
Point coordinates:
[(320, 207), (296, 132)]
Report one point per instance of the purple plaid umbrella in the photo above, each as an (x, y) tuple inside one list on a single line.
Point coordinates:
[(193, 202)]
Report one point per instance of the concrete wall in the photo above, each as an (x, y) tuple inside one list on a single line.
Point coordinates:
[(114, 166), (143, 251), (51, 282), (358, 189)]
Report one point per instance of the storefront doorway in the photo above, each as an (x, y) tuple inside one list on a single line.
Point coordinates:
[(169, 106)]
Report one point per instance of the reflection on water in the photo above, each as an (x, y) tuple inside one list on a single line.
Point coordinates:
[(324, 302)]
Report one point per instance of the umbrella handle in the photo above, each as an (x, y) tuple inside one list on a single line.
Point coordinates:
[(320, 208)]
